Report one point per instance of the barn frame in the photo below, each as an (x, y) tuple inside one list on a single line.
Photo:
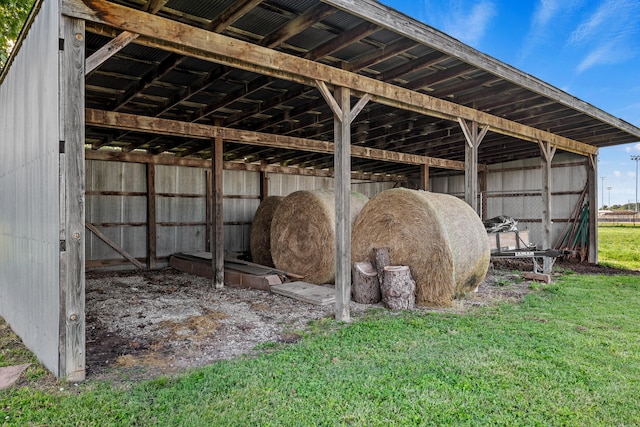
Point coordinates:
[(151, 110)]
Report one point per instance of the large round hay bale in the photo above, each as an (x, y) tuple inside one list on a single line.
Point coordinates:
[(260, 235), (438, 236), (303, 233)]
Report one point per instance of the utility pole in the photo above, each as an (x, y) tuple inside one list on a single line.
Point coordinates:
[(609, 205), (602, 192), (636, 158)]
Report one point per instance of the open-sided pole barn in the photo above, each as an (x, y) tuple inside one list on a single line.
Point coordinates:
[(175, 110)]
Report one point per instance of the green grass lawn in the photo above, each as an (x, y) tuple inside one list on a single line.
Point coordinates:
[(569, 354), (619, 246)]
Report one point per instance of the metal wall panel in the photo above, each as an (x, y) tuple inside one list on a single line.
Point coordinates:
[(113, 209), (29, 190)]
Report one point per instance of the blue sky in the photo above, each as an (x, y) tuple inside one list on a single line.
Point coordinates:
[(588, 48)]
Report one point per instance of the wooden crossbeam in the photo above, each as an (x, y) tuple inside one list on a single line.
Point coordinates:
[(169, 127)]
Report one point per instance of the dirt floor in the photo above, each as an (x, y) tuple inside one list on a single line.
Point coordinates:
[(143, 325)]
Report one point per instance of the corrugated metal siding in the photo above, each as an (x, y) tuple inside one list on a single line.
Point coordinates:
[(174, 180), (241, 200), (29, 188), (505, 187)]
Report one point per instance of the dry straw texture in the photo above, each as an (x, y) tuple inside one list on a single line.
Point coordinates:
[(260, 237), (303, 233), (438, 236)]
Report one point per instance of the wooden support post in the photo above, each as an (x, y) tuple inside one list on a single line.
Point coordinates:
[(547, 152), (483, 195), (473, 136), (424, 177), (71, 347), (152, 231), (264, 185), (217, 242), (208, 206), (592, 181), (342, 185), (343, 115)]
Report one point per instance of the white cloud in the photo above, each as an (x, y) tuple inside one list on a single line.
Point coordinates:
[(609, 34), (617, 174), (546, 13), (469, 26)]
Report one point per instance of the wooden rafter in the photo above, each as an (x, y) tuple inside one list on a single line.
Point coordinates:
[(232, 14), (297, 25)]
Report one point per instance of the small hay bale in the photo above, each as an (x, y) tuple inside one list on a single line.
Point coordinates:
[(303, 233), (438, 236), (260, 236)]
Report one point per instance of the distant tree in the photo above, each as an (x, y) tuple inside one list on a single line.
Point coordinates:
[(13, 14)]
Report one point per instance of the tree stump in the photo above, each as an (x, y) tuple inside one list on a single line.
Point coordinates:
[(365, 288), (398, 288), (381, 259)]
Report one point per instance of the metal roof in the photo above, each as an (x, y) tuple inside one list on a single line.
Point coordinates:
[(370, 40)]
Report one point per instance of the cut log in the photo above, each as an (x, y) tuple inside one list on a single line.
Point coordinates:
[(382, 259), (366, 287), (398, 288)]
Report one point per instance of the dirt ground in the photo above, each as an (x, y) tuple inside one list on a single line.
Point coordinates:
[(142, 325), (163, 322)]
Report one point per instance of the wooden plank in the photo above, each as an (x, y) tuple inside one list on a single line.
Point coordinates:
[(187, 40), (72, 254), (152, 233), (217, 242), (232, 14), (306, 292), (114, 245), (158, 126), (540, 277)]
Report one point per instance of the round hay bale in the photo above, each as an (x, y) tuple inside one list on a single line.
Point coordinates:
[(438, 236), (260, 235), (303, 233)]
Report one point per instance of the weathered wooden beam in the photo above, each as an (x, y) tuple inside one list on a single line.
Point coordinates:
[(297, 25), (342, 185), (71, 304), (152, 232), (424, 177), (547, 153), (114, 46), (184, 39), (217, 242), (473, 136), (379, 55), (344, 39), (133, 122), (170, 160), (232, 14), (113, 245)]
